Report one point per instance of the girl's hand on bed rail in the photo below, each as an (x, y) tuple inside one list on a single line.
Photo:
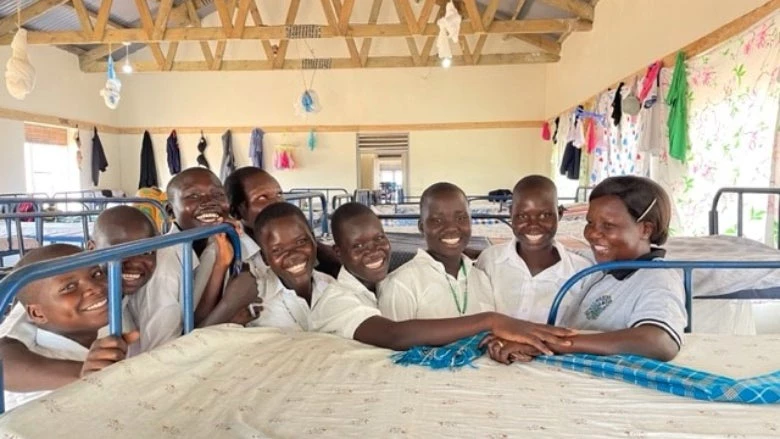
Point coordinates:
[(107, 351), (533, 334)]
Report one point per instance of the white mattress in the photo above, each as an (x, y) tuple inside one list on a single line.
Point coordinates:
[(233, 382)]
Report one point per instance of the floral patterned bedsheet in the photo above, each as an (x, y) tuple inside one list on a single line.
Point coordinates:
[(227, 381)]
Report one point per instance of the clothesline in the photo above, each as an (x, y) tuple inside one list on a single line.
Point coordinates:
[(697, 47)]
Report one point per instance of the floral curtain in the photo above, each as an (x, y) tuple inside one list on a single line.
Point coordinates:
[(733, 111)]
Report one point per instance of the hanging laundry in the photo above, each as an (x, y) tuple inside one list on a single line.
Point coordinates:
[(174, 155), (283, 157), (311, 142), (677, 100), (650, 78), (590, 137), (99, 161), (557, 126), (148, 165), (570, 163), (228, 160), (202, 149), (256, 148), (77, 141), (617, 106), (546, 131), (651, 140)]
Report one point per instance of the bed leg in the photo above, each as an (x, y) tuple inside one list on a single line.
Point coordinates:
[(115, 298), (2, 388), (188, 317)]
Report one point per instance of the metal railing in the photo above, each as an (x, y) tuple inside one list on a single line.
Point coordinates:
[(686, 266), (503, 218), (16, 280), (309, 208), (740, 191), (339, 193)]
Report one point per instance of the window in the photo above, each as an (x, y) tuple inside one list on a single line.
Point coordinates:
[(50, 163)]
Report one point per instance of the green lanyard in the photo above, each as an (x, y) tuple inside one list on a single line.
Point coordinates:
[(462, 311)]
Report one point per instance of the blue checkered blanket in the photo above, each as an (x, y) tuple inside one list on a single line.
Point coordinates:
[(652, 374), (677, 380)]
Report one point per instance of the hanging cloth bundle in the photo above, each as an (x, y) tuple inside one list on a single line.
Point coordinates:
[(113, 86), (19, 74), (283, 157), (312, 141), (449, 29), (256, 147), (99, 161), (631, 103), (173, 153), (228, 160), (201, 149), (148, 165)]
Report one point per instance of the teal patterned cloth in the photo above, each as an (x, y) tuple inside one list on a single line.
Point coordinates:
[(452, 356)]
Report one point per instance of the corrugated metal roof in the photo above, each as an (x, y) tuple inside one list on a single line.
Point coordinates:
[(61, 18)]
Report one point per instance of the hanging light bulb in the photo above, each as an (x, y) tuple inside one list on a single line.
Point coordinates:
[(446, 62), (127, 68)]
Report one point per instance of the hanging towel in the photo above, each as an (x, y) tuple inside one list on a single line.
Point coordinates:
[(256, 148), (617, 105), (148, 165), (651, 139), (546, 131), (202, 148), (99, 161), (590, 137), (677, 99), (228, 160), (174, 155)]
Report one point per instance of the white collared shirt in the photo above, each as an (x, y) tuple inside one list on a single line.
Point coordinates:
[(159, 305), (520, 294), (47, 344), (343, 306), (422, 289), (282, 307), (250, 254)]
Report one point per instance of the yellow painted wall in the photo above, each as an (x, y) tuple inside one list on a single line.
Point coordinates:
[(627, 35), (61, 89)]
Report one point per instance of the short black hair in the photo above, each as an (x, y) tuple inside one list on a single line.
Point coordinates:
[(234, 187), (344, 213), (538, 182), (438, 189), (45, 253), (126, 215), (276, 211), (177, 179), (638, 194)]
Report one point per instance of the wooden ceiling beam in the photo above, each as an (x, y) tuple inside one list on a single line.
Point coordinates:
[(474, 17), (102, 19), (487, 19), (116, 36), (373, 17), (579, 8), (8, 24), (405, 15), (339, 63), (281, 54), (86, 22), (425, 55), (192, 12), (147, 24), (345, 14), (161, 21), (257, 19), (425, 13)]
